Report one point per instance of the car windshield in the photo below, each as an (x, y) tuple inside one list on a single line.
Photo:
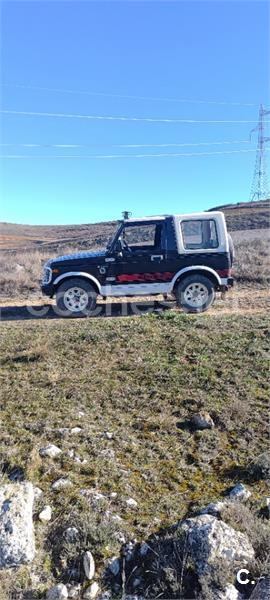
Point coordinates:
[(113, 238)]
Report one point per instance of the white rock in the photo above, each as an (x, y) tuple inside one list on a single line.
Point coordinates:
[(267, 505), (239, 493), (230, 593), (72, 535), (95, 498), (58, 592), (92, 591), (81, 414), (211, 541), (37, 493), (17, 542), (112, 516), (108, 435), (61, 484), (71, 453), (74, 590), (214, 508), (81, 461), (89, 565), (202, 420), (63, 431), (113, 495), (50, 450), (46, 514), (131, 503), (75, 430), (114, 566)]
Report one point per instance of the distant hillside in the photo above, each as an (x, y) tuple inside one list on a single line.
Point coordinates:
[(246, 215), (241, 216), (53, 237)]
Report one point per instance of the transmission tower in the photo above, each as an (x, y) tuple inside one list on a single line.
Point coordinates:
[(259, 187)]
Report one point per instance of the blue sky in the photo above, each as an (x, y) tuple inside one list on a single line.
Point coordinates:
[(207, 51)]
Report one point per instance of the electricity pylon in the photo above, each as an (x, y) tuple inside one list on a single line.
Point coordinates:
[(259, 187)]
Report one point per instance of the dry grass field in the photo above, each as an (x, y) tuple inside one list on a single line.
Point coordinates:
[(21, 270)]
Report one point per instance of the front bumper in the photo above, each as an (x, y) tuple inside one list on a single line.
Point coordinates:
[(47, 289)]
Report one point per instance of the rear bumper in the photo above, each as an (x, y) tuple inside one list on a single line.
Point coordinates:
[(226, 283)]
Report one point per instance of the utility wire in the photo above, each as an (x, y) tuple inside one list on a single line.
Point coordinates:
[(113, 156), (173, 145), (127, 96), (120, 118)]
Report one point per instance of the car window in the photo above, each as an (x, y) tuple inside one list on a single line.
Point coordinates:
[(142, 235), (199, 234)]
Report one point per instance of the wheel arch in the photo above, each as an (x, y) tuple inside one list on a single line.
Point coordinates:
[(79, 275), (198, 269)]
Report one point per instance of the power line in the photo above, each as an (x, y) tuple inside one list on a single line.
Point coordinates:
[(165, 145), (127, 96), (113, 156), (120, 118)]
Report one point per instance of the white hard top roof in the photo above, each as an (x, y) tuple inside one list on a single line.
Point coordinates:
[(162, 217)]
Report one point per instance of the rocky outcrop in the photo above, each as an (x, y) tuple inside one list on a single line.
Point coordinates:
[(211, 541), (17, 542)]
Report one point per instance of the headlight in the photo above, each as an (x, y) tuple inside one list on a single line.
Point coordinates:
[(47, 275)]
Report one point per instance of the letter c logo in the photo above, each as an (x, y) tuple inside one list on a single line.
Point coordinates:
[(239, 576)]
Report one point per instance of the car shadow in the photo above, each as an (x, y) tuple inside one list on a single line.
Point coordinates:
[(105, 310)]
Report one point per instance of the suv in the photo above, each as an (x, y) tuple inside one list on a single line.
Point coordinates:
[(188, 256)]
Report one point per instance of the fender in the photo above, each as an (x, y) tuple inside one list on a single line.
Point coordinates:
[(77, 274), (195, 268)]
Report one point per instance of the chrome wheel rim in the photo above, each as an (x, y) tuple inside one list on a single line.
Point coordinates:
[(196, 295), (75, 299)]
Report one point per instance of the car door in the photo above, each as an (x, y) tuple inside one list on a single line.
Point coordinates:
[(141, 267)]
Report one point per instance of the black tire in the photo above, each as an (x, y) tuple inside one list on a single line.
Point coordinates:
[(193, 285), (76, 297)]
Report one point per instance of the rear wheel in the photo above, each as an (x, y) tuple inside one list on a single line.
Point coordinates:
[(76, 298), (195, 293)]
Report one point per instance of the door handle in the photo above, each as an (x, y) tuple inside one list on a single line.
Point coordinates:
[(156, 257)]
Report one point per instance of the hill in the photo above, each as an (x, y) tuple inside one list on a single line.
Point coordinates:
[(246, 215), (241, 216)]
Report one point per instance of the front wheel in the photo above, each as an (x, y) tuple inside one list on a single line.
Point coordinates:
[(76, 298), (195, 293)]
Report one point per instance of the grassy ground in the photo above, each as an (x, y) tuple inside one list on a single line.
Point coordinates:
[(140, 379)]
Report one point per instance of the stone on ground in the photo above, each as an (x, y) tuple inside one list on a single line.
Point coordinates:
[(202, 420), (50, 450), (61, 484), (239, 493), (46, 514), (92, 591), (17, 542), (58, 592), (211, 542), (89, 565)]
